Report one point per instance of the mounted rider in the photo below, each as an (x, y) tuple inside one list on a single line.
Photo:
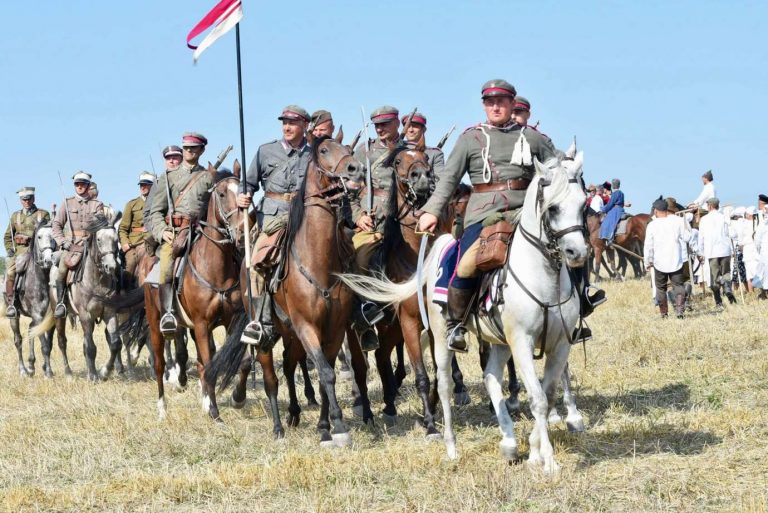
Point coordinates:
[(413, 134), (613, 210), (279, 168), (132, 232), (68, 230), (172, 156), (321, 124), (498, 156), (176, 208), (370, 224), (18, 237)]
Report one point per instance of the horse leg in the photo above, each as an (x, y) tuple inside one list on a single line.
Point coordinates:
[(460, 393), (31, 357), (309, 390), (170, 367), (493, 375), (270, 388), (156, 339), (89, 347), (362, 404), (46, 344), (324, 360), (203, 342), (115, 347), (180, 361), (411, 328), (574, 421), (541, 451), (17, 341), (443, 363), (115, 338), (384, 365), (290, 360), (400, 367), (513, 401), (61, 340)]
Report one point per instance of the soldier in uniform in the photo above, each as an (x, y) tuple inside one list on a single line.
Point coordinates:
[(76, 214), (499, 187), (414, 133), (279, 168), (18, 237), (131, 230), (321, 124), (521, 111), (370, 225), (185, 187), (172, 157)]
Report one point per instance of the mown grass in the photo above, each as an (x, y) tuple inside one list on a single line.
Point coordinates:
[(675, 411)]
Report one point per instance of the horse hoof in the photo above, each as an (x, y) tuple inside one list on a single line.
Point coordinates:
[(279, 433), (451, 452), (341, 440), (434, 437), (48, 374), (68, 372), (93, 377), (508, 450), (104, 373), (238, 405), (161, 410), (205, 404), (462, 399), (326, 440), (389, 420), (575, 425), (554, 418), (293, 420), (24, 373), (312, 402)]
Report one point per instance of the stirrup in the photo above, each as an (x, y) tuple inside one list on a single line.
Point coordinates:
[(597, 298), (168, 325), (60, 311), (372, 313), (262, 336), (581, 334), (369, 341), (458, 346)]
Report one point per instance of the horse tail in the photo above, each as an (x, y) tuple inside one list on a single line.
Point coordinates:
[(45, 325), (227, 359), (135, 327), (381, 289)]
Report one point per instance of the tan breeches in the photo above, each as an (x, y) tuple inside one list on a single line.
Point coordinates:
[(467, 267), (365, 244)]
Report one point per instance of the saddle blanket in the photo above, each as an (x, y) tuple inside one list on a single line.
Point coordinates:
[(621, 229), (153, 277), (446, 271)]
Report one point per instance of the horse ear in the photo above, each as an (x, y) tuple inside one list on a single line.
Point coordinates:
[(421, 144), (310, 138), (578, 162), (236, 168), (211, 169), (340, 134)]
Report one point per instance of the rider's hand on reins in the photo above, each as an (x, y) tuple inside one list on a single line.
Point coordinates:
[(427, 223)]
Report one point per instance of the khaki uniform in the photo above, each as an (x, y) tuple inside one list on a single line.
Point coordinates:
[(81, 211), (366, 243), (132, 231), (150, 244), (21, 229), (467, 157), (194, 184)]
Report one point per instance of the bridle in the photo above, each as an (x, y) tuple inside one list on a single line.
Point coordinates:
[(231, 234), (98, 256), (39, 252), (412, 202)]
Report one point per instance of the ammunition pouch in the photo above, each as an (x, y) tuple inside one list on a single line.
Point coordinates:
[(267, 253), (21, 239), (494, 246), (74, 255)]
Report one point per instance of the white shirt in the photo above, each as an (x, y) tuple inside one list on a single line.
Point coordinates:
[(596, 203), (706, 193), (714, 240), (665, 239)]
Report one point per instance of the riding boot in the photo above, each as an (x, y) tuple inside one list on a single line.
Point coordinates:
[(459, 301), (587, 301), (168, 324), (664, 308), (718, 297), (261, 332), (365, 315), (10, 299), (60, 310), (680, 305)]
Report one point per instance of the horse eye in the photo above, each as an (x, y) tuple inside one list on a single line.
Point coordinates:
[(553, 210), (323, 150)]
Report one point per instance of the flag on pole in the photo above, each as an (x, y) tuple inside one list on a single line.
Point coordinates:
[(224, 16)]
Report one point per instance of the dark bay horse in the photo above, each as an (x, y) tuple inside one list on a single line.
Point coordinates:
[(33, 301), (632, 240), (315, 305), (94, 283)]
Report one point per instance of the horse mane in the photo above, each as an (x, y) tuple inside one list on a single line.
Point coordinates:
[(558, 187), (296, 210), (390, 160), (393, 237)]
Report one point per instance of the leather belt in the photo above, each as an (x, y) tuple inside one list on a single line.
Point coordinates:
[(140, 229), (79, 233), (280, 196), (178, 221), (514, 184)]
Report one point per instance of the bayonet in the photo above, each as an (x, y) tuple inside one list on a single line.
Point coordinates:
[(445, 138), (409, 121), (356, 140), (368, 177), (222, 156)]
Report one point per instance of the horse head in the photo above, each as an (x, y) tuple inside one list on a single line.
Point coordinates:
[(44, 246), (224, 216), (337, 167), (555, 202), (412, 171), (103, 248)]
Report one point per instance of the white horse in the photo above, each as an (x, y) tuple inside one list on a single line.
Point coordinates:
[(549, 235)]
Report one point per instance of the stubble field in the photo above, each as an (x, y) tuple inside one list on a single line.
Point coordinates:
[(675, 413)]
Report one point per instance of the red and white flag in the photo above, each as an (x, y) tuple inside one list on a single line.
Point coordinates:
[(224, 16)]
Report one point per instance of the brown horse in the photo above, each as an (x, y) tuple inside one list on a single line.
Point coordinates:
[(312, 307), (632, 240)]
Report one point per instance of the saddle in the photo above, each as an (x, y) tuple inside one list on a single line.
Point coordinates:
[(269, 252), (621, 228), (22, 262)]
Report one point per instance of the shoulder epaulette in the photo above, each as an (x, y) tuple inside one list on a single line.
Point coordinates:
[(471, 128)]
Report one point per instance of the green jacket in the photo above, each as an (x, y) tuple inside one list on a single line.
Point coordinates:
[(131, 230), (189, 205), (381, 180), (23, 224), (467, 158)]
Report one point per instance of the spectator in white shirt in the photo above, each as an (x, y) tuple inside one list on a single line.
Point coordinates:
[(707, 193), (665, 239), (715, 246), (595, 199)]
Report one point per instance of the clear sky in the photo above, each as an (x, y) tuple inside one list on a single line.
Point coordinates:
[(656, 92)]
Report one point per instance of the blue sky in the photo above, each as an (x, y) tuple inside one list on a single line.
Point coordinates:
[(656, 92)]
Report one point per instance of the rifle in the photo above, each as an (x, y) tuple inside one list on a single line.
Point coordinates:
[(368, 177), (13, 231), (409, 121), (356, 139), (152, 163), (445, 138), (66, 207), (222, 156)]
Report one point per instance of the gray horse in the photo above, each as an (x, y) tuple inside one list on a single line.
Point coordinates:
[(96, 280), (33, 301)]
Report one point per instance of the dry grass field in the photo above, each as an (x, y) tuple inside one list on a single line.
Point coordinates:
[(675, 412)]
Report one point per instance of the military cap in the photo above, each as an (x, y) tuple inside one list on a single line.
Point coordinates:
[(498, 87), (294, 112), (146, 178), (418, 117), (384, 114), (763, 198), (171, 150), (708, 175), (193, 139), (660, 205), (321, 116), (521, 104), (26, 192), (714, 202), (81, 177)]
